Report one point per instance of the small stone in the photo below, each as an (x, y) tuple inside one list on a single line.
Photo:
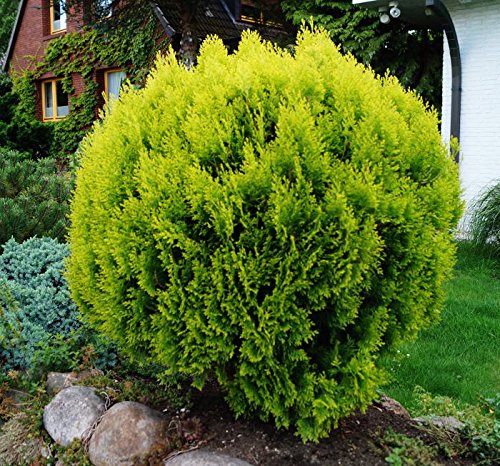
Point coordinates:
[(88, 374), (56, 381), (128, 433), (393, 406), (449, 423), (204, 458), (72, 413), (14, 400)]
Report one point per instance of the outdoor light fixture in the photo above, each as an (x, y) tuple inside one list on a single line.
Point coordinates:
[(384, 15), (394, 10)]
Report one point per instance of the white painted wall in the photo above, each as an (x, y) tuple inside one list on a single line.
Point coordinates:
[(477, 23)]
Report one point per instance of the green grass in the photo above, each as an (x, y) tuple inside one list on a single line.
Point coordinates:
[(460, 357)]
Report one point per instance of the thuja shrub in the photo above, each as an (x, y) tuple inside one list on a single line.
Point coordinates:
[(33, 197), (274, 219)]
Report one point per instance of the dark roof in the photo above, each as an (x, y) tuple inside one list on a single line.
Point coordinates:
[(214, 18)]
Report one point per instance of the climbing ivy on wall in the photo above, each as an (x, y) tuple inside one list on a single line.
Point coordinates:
[(131, 47)]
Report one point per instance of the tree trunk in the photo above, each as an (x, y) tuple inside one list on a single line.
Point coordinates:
[(189, 40)]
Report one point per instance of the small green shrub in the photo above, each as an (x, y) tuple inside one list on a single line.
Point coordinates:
[(79, 350), (275, 219), (17, 131), (480, 435), (39, 323), (405, 451), (485, 220), (33, 197)]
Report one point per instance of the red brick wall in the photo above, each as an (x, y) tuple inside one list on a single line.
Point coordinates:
[(78, 83), (34, 34), (29, 40), (39, 114)]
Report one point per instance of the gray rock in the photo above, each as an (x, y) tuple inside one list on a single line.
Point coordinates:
[(204, 458), (442, 422), (72, 413), (56, 381), (15, 398), (393, 406), (127, 434)]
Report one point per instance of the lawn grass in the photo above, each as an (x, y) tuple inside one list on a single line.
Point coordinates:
[(460, 357)]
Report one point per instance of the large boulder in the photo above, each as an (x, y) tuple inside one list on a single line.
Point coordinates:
[(204, 458), (128, 433), (72, 413)]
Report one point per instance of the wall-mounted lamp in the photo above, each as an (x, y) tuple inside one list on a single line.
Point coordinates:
[(394, 11), (384, 15)]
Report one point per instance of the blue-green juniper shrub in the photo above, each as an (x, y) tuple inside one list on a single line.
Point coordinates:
[(39, 323)]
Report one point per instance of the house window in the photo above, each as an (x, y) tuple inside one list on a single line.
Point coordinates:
[(57, 16), (55, 100), (268, 13), (113, 80)]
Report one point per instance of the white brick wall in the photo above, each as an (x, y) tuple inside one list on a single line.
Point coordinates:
[(478, 28)]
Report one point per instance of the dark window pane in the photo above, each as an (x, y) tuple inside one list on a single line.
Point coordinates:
[(62, 100)]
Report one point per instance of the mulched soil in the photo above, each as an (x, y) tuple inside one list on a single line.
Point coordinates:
[(355, 442)]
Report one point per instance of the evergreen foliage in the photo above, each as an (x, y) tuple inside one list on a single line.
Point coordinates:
[(485, 220), (19, 131), (33, 197), (412, 54), (36, 302), (8, 9), (278, 220)]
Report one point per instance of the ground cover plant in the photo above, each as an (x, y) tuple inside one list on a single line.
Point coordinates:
[(478, 438), (276, 220), (459, 357)]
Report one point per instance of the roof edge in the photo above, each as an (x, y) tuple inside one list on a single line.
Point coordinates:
[(162, 18), (229, 12), (13, 36)]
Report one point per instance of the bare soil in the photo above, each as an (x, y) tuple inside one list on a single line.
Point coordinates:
[(355, 442)]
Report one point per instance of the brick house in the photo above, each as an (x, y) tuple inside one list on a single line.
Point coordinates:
[(471, 79), (39, 22)]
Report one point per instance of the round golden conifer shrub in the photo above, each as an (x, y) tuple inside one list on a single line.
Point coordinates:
[(275, 219)]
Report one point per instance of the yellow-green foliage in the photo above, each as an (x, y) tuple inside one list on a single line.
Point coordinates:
[(278, 219)]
